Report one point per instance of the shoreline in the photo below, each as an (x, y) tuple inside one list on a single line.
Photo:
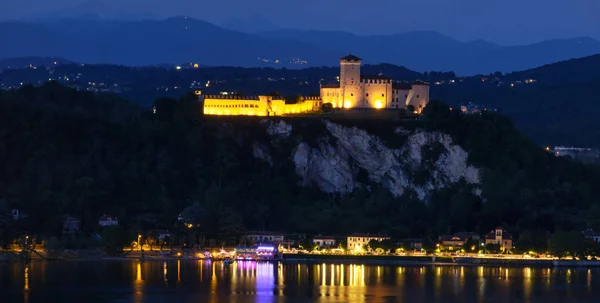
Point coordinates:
[(342, 259)]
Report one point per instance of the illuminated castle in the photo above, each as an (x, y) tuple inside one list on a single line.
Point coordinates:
[(352, 91), (362, 91)]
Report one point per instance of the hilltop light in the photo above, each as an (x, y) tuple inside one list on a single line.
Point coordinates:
[(178, 67)]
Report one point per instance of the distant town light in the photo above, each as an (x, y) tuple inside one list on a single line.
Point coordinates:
[(178, 67)]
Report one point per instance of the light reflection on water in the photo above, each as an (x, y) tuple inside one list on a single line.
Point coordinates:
[(205, 281)]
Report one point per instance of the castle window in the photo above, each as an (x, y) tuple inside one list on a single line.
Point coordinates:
[(405, 96), (352, 94), (418, 96), (382, 95), (367, 94)]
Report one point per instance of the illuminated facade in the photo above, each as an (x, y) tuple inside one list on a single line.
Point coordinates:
[(362, 91), (234, 105), (356, 242), (500, 237), (353, 90)]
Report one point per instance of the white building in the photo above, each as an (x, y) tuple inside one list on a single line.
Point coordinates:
[(358, 241), (323, 241), (106, 221), (264, 238), (376, 91)]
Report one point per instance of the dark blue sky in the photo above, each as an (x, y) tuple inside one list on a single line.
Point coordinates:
[(500, 21)]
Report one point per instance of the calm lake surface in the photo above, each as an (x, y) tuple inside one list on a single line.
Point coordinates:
[(205, 281)]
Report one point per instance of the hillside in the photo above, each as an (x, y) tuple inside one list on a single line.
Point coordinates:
[(181, 39), (174, 40), (66, 152), (426, 51), (558, 109), (582, 70)]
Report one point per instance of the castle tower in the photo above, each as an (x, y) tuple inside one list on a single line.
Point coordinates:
[(349, 81)]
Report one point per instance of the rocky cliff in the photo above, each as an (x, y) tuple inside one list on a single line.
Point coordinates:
[(342, 159)]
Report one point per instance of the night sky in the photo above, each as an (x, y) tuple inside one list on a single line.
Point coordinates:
[(502, 21)]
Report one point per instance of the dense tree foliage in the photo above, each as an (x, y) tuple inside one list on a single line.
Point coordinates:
[(64, 152)]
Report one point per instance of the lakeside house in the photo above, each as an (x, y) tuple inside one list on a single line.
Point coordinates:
[(592, 235), (324, 241), (106, 221), (500, 237), (357, 241), (411, 244), (263, 237), (71, 225), (457, 240)]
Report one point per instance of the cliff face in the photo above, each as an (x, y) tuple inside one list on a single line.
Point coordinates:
[(346, 158)]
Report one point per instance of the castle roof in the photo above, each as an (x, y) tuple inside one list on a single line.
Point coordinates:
[(402, 86), (350, 57), (377, 77), (330, 85)]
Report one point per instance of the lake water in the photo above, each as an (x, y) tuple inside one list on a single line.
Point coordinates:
[(204, 281)]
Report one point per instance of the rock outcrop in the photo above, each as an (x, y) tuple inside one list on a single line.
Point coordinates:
[(333, 164)]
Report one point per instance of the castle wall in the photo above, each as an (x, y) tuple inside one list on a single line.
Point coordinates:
[(234, 106), (377, 93), (255, 106), (420, 97), (332, 95), (399, 98)]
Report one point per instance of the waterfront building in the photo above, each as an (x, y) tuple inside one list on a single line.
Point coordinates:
[(500, 237), (592, 235), (457, 240), (357, 241), (324, 241), (262, 237), (106, 221)]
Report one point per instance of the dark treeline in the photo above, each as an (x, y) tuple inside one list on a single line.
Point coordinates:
[(64, 152)]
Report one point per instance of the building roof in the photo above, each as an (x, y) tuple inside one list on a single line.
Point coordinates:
[(420, 83), (350, 57), (402, 86), (492, 235), (452, 238), (361, 235), (330, 85), (467, 235), (378, 77), (263, 233), (590, 233), (323, 238)]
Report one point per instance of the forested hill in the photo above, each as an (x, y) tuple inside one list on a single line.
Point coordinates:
[(65, 152)]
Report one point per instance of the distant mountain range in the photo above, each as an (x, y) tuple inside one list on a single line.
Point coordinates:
[(181, 39), (425, 50)]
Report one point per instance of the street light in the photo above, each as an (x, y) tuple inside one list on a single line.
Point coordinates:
[(139, 239)]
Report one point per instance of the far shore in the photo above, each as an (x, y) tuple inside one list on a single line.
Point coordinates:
[(315, 259)]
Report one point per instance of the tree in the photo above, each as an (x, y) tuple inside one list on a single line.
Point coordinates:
[(327, 107), (529, 240), (53, 247), (492, 248), (115, 238), (436, 110), (564, 244), (594, 217), (307, 245), (410, 108)]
